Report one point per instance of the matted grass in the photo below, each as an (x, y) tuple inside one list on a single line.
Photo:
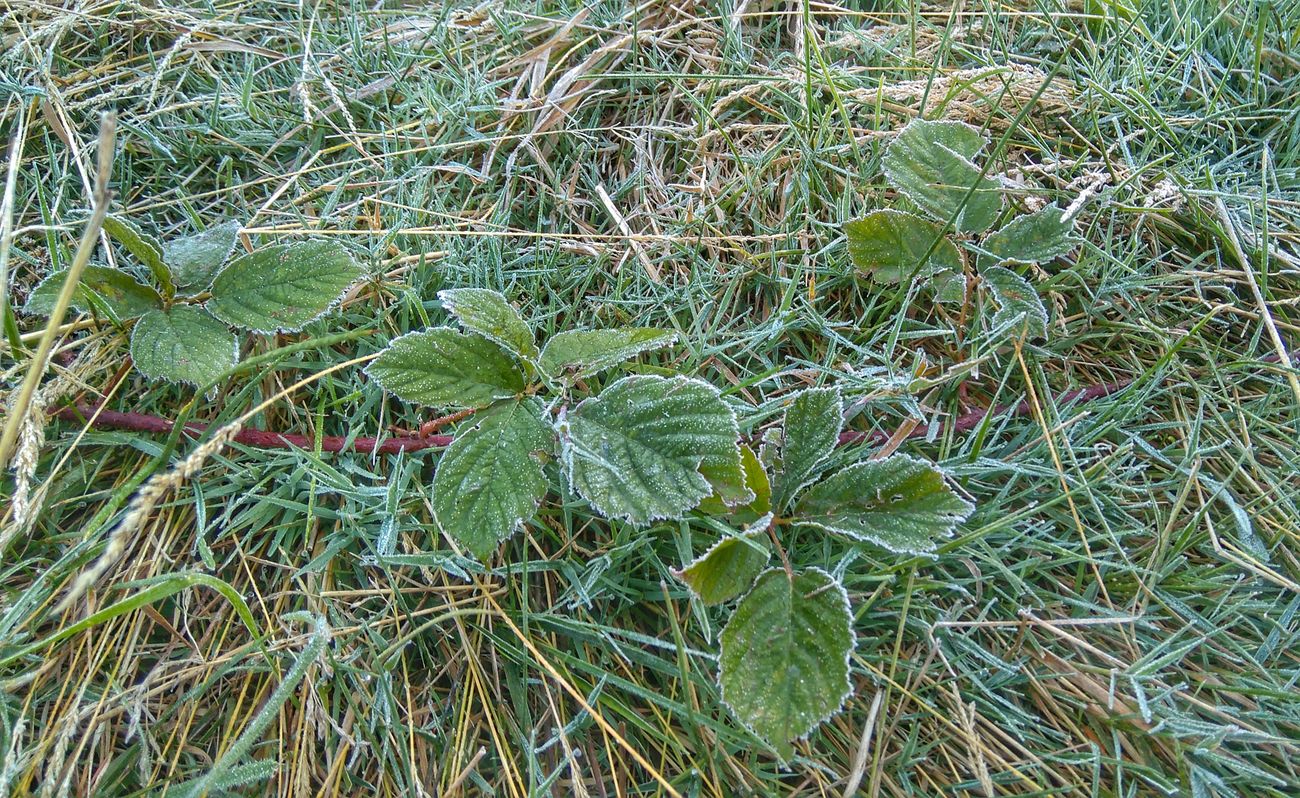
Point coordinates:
[(1118, 619)]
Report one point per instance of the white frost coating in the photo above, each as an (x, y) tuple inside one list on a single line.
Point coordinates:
[(590, 363), (901, 181), (153, 375), (1004, 284), (810, 468), (214, 304), (453, 383), (449, 299), (938, 523), (848, 659), (585, 468), (757, 528)]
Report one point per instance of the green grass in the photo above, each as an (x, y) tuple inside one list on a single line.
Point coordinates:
[(1119, 618)]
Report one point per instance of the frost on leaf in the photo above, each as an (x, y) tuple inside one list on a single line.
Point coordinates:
[(635, 451), (1033, 238), (932, 164), (490, 480), (890, 246), (753, 480), (143, 247), (900, 503), (490, 315), (442, 367), (196, 259), (183, 344), (730, 566), (1019, 305), (810, 432), (580, 353), (785, 656), (101, 287), (284, 287)]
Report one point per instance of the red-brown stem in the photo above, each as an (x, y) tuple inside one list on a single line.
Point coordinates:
[(264, 439), (261, 439)]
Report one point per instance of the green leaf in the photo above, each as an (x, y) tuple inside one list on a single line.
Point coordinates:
[(490, 315), (811, 430), (1033, 238), (101, 287), (283, 288), (143, 247), (490, 481), (949, 287), (1018, 302), (899, 503), (753, 480), (183, 344), (932, 164), (585, 352), (890, 246), (785, 656), (443, 367), (730, 566), (196, 259), (635, 451)]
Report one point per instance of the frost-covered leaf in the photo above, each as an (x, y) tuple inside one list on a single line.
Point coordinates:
[(1033, 238), (584, 352), (785, 656), (183, 344), (890, 246), (810, 432), (443, 367), (932, 164), (730, 566), (1019, 305), (101, 287), (899, 503), (635, 451), (196, 259), (143, 247), (490, 480), (754, 480), (284, 287), (949, 287), (489, 314)]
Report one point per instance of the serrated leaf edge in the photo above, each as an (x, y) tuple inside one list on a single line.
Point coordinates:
[(848, 661), (1039, 313), (756, 528), (518, 523), (566, 450), (361, 277), (967, 510), (567, 374), (891, 174), (496, 339), (391, 341), (815, 471), (198, 288), (234, 357)]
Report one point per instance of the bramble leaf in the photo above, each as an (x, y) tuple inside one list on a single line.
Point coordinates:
[(100, 286), (810, 432), (1033, 238), (1018, 302), (753, 479), (932, 164), (785, 656), (143, 247), (490, 315), (196, 259), (489, 481), (900, 503), (183, 344), (890, 246), (443, 367), (284, 287), (581, 353), (635, 451), (730, 566)]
